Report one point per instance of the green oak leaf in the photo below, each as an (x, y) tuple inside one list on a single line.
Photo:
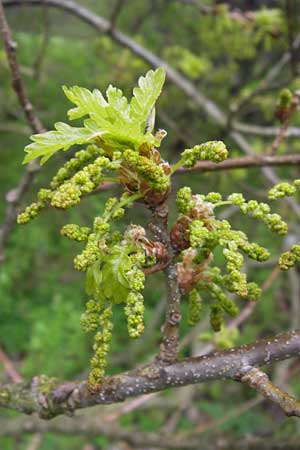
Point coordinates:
[(62, 138)]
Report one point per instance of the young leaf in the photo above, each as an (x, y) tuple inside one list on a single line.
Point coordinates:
[(120, 125), (118, 104), (87, 102), (93, 278), (46, 144), (115, 284), (145, 96)]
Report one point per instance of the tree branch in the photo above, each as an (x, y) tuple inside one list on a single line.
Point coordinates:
[(92, 427), (267, 171), (266, 84), (292, 13), (258, 130), (116, 13), (243, 162), (259, 380), (15, 196), (48, 398), (9, 367), (170, 329), (10, 47)]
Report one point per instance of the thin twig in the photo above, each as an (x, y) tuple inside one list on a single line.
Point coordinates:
[(129, 407), (15, 196), (244, 162), (294, 284), (41, 53), (89, 428), (292, 17), (288, 113), (269, 174), (35, 442), (17, 84), (266, 82), (237, 412), (9, 368), (116, 13), (259, 380)]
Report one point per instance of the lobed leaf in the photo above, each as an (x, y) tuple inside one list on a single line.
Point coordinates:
[(145, 96), (118, 104), (121, 125), (87, 102), (46, 144)]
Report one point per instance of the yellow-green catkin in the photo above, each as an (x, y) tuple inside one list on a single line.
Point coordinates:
[(194, 307), (134, 311), (101, 347), (290, 258)]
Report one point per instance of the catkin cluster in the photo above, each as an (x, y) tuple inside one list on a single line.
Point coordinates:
[(79, 176), (198, 233), (289, 258), (112, 263), (148, 170), (214, 151), (120, 147)]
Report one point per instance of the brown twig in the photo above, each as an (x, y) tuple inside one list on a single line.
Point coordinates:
[(292, 10), (268, 173), (9, 367), (129, 407), (41, 53), (89, 427), (15, 196), (294, 284), (170, 329), (17, 84), (266, 84), (285, 115), (156, 268), (237, 412), (35, 442), (214, 10), (116, 13), (259, 380), (243, 162)]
